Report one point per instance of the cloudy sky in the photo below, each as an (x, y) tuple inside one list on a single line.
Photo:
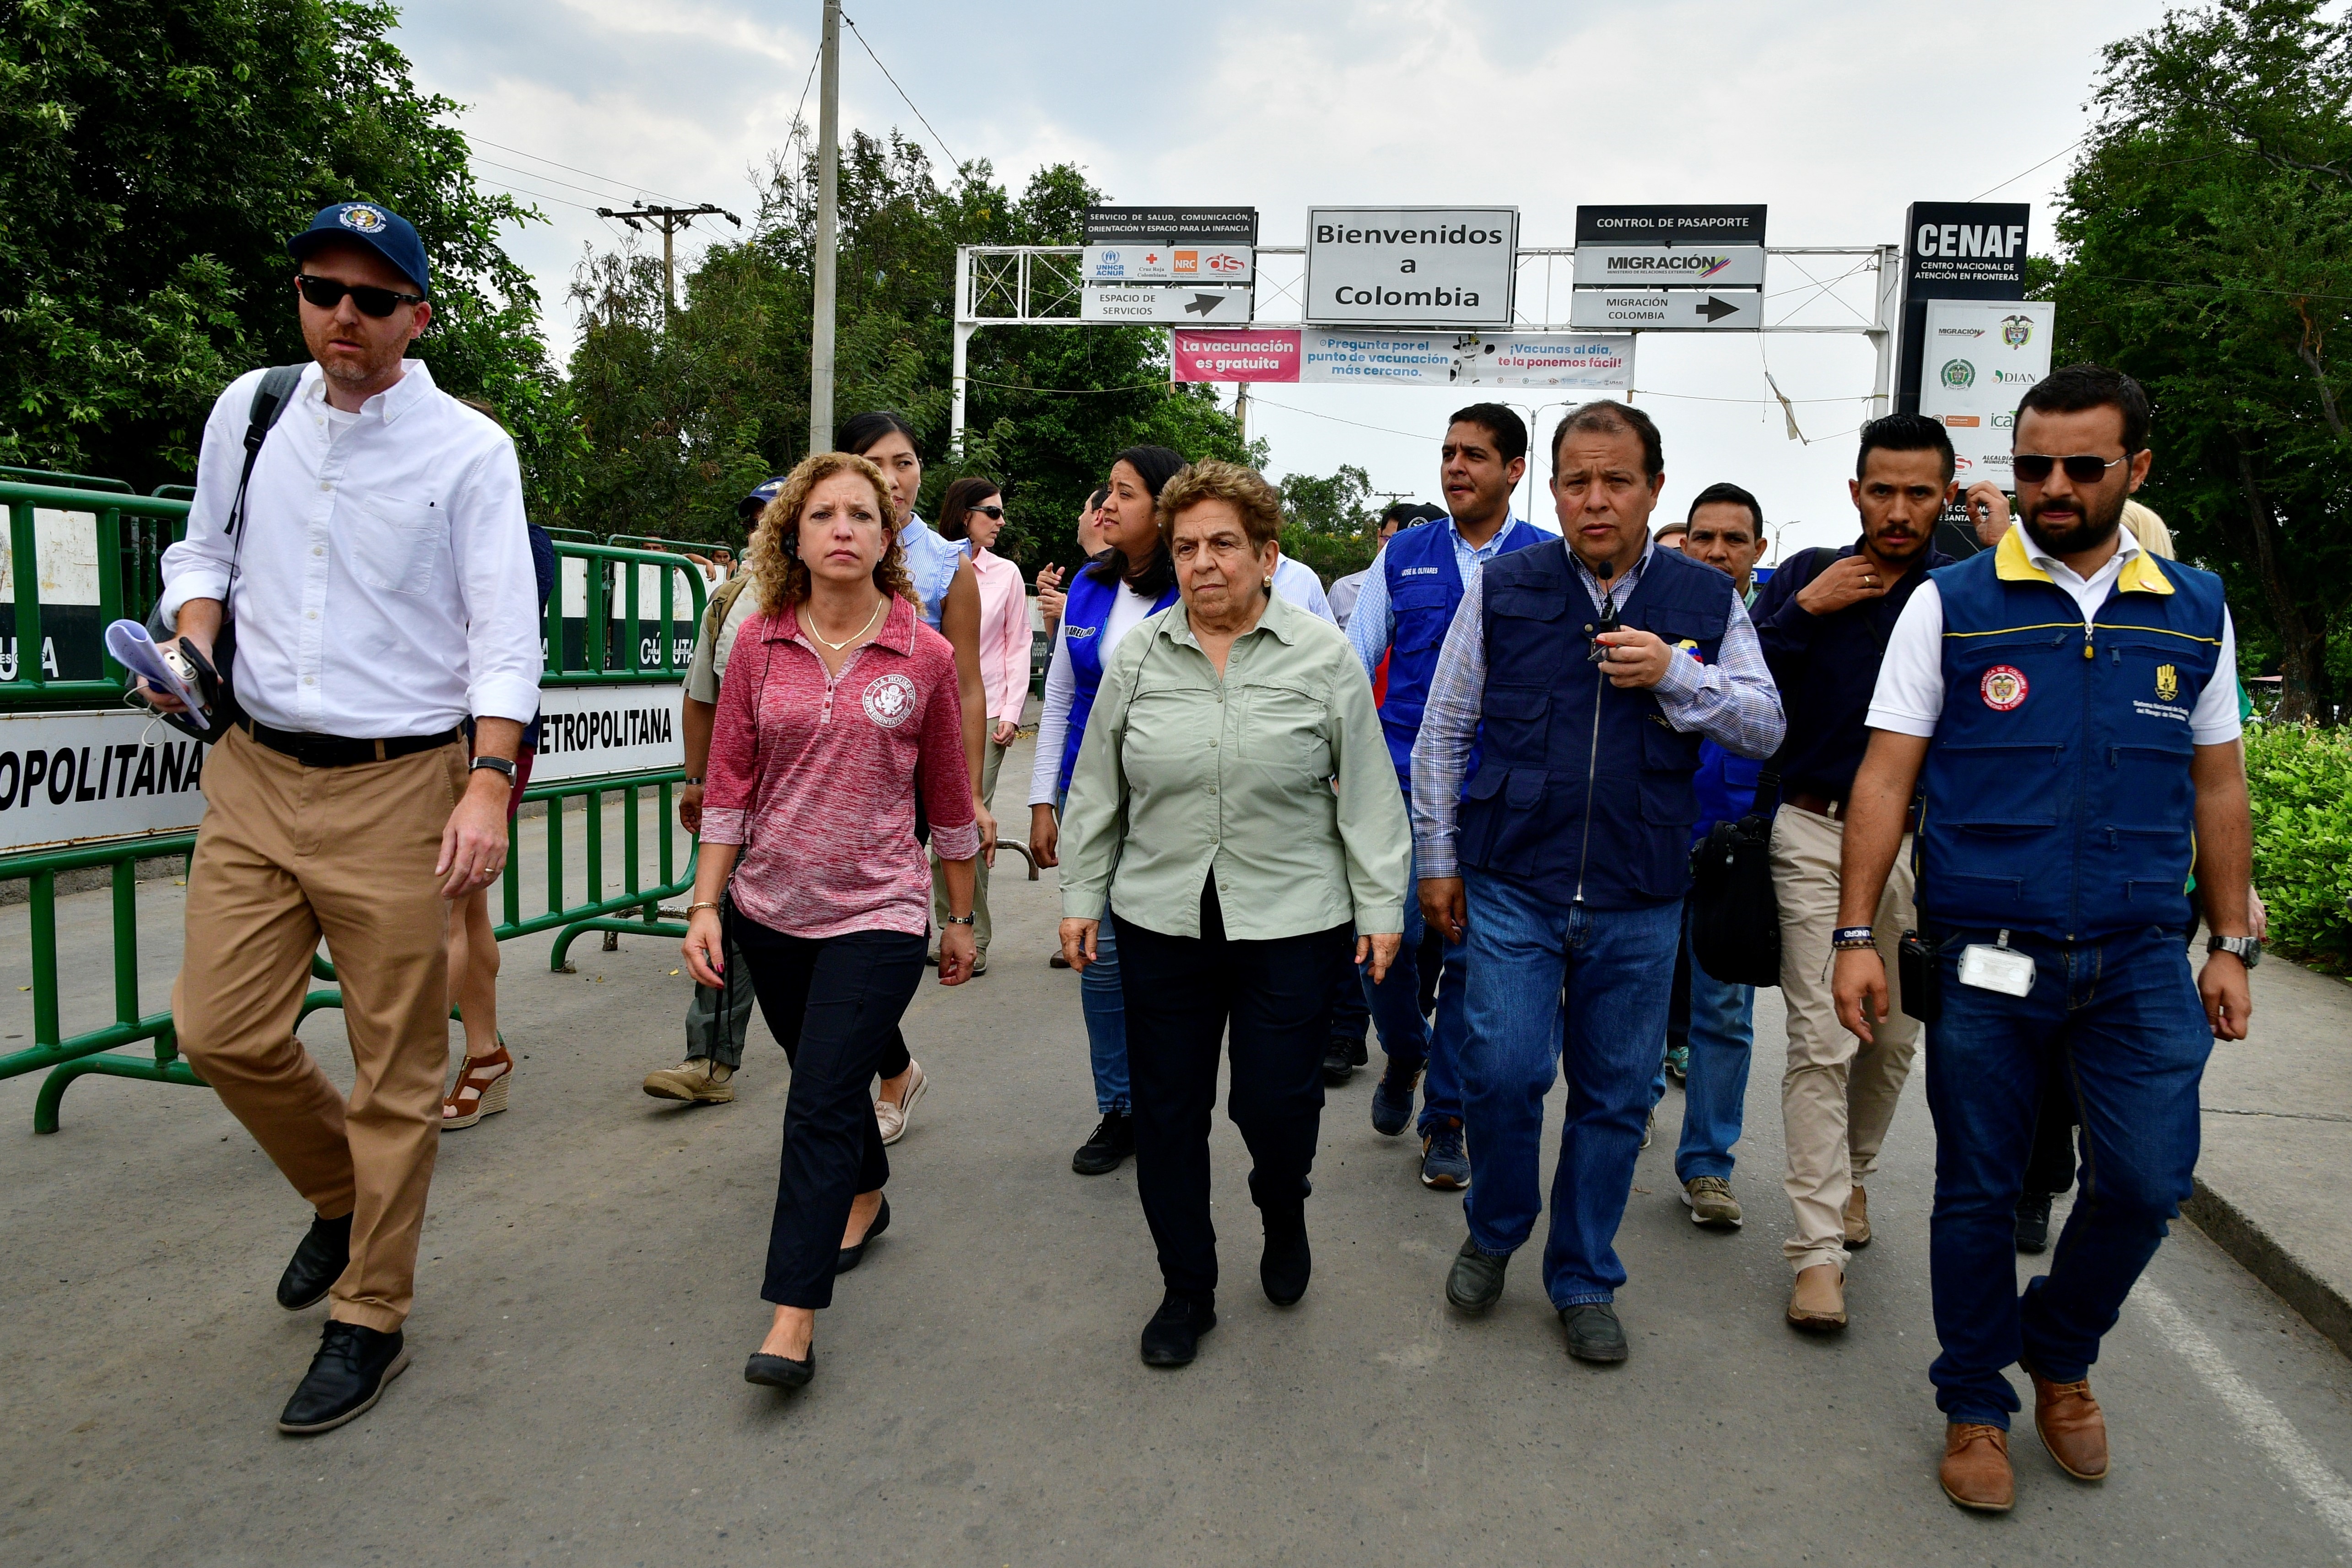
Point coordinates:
[(1837, 113)]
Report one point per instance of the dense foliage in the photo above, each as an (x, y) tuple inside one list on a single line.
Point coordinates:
[(160, 153), (2208, 251), (1329, 523), (2301, 780)]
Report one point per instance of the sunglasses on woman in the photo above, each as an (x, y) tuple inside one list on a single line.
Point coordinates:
[(326, 293), (993, 514), (2033, 468)]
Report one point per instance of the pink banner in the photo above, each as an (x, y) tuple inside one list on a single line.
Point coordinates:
[(1235, 354)]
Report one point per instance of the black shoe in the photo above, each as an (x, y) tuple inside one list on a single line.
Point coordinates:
[(1337, 1065), (1057, 961), (1172, 1337), (1593, 1333), (1475, 1281), (346, 1377), (316, 1265), (780, 1371), (1285, 1266), (1108, 1147), (2034, 1221), (851, 1257)]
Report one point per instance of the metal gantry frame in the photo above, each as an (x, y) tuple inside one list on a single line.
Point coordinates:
[(1040, 285)]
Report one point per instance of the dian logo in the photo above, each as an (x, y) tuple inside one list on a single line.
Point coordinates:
[(889, 700), (2003, 686)]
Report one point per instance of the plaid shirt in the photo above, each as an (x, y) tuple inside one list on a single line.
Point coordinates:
[(1732, 701)]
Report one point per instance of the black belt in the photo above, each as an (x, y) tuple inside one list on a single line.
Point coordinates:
[(337, 751)]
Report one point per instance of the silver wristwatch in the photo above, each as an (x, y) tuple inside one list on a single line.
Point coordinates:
[(2248, 949)]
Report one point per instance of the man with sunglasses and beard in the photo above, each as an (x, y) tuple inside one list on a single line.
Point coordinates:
[(2065, 705), (372, 551)]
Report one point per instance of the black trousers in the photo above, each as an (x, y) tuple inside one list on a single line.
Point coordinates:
[(1184, 994), (2050, 1167), (833, 1003), (1351, 1009)]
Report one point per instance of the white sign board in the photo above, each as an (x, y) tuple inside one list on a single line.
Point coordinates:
[(1406, 266), (1601, 265), (70, 776), (1159, 305), (1669, 309), (591, 730), (1980, 357), (1169, 264), (1598, 362)]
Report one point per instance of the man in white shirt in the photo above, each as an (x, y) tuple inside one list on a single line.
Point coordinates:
[(375, 557)]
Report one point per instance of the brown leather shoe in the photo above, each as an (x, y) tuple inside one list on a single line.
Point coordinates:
[(2072, 1426), (1976, 1472), (1857, 1218), (1817, 1303)]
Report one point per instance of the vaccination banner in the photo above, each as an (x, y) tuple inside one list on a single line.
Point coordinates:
[(1588, 362)]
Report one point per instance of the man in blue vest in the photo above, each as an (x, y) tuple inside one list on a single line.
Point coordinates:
[(1401, 614), (1564, 860), (2066, 705)]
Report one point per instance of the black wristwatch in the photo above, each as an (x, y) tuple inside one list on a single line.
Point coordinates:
[(2248, 949), (499, 763)]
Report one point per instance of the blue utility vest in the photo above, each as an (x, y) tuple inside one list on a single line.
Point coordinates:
[(1084, 614), (2057, 791), (1584, 790), (1424, 584)]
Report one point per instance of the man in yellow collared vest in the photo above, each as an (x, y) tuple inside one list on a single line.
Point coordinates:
[(2066, 705)]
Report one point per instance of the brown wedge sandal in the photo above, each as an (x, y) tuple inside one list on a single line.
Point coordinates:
[(480, 1090)]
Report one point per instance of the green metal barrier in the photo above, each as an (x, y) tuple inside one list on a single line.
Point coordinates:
[(134, 532)]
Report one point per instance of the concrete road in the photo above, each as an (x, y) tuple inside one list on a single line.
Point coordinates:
[(589, 1288)]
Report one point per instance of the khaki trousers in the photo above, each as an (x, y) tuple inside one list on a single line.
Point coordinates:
[(287, 854), (992, 760), (1838, 1095)]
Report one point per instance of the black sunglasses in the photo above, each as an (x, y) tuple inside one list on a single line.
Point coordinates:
[(993, 514), (327, 293), (2033, 467)]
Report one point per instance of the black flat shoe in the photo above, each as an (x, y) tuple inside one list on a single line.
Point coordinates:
[(1287, 1264), (324, 1253), (1475, 1281), (1593, 1333), (1172, 1337), (346, 1377), (851, 1257), (780, 1371), (1108, 1147), (2034, 1221)]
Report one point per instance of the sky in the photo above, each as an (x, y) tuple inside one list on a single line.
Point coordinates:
[(1837, 114)]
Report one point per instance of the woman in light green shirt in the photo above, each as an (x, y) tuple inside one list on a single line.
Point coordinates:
[(1234, 801)]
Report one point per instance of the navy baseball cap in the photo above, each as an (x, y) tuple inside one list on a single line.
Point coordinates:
[(752, 505), (380, 229)]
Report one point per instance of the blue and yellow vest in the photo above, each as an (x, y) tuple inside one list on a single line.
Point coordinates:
[(1083, 615), (2057, 794), (1424, 584), (1583, 790)]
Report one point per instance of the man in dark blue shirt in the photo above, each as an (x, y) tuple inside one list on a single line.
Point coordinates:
[(1824, 621)]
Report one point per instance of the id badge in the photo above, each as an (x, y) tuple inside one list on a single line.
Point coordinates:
[(2002, 969)]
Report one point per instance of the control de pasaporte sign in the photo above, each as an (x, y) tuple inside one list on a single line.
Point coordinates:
[(1412, 266)]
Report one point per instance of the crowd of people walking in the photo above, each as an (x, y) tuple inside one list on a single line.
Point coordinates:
[(1991, 800)]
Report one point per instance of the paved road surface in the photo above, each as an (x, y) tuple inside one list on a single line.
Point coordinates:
[(589, 1290)]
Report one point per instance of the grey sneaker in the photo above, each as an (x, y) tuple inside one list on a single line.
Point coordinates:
[(1650, 1127), (1475, 1281), (1710, 1202)]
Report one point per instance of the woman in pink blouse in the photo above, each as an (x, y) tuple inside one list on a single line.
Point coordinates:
[(973, 513), (838, 705)]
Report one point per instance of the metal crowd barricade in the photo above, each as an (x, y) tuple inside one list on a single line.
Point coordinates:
[(614, 651)]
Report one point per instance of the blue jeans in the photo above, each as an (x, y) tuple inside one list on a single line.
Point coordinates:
[(1405, 1036), (1715, 1088), (1618, 967), (1105, 1006), (2123, 1016)]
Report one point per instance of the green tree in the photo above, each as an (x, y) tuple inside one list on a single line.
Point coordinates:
[(162, 154), (2207, 236), (1329, 523)]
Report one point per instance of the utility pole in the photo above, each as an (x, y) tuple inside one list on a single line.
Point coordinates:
[(670, 219), (828, 195)]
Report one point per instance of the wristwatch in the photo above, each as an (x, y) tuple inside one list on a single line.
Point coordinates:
[(500, 763), (2248, 949)]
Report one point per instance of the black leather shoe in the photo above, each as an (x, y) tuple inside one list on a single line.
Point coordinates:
[(1172, 1337), (1475, 1281), (316, 1265), (1285, 1265), (780, 1371), (1593, 1333), (1339, 1064), (851, 1257), (2034, 1221), (346, 1377), (1108, 1147)]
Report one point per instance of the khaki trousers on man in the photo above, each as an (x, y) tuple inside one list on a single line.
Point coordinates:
[(287, 854), (1838, 1095)]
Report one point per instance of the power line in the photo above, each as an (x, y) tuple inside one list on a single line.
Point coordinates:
[(1359, 425), (536, 195), (606, 195), (2013, 178), (615, 184), (953, 162)]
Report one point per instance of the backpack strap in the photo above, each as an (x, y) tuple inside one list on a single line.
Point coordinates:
[(269, 400)]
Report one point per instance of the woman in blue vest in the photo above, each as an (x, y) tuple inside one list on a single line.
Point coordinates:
[(1134, 580)]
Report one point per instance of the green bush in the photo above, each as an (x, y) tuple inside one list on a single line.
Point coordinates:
[(2301, 780)]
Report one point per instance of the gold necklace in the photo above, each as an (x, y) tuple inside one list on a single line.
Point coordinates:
[(810, 622)]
